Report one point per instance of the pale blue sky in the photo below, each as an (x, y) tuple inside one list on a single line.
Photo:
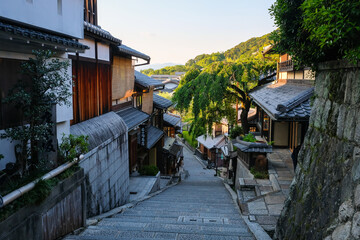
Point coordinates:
[(178, 30)]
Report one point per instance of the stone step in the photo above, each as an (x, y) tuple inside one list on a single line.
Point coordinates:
[(169, 236), (149, 230), (177, 209), (214, 222)]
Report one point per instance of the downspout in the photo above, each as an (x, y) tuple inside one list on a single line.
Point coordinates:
[(21, 191)]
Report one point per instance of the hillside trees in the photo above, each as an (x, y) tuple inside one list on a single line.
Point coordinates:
[(213, 92)]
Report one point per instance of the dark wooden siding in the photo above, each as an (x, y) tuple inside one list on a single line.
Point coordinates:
[(10, 74), (90, 11), (92, 90)]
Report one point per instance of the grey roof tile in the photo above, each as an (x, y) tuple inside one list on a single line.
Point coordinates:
[(254, 147), (284, 101), (172, 120), (133, 117), (99, 32), (153, 136), (132, 52), (34, 35), (161, 102), (146, 81), (211, 142)]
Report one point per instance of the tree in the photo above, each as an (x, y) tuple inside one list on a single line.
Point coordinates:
[(212, 93), (313, 31), (47, 85)]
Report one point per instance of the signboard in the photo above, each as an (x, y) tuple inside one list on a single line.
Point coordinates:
[(143, 135)]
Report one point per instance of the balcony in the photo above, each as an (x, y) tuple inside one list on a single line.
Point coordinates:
[(286, 66)]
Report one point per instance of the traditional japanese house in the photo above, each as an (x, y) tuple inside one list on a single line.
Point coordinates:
[(209, 148), (283, 106), (172, 151), (150, 136), (24, 27), (172, 124), (126, 102)]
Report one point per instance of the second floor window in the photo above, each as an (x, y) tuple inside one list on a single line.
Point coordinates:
[(90, 11)]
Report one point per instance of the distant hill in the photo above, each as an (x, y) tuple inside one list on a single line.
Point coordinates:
[(249, 49), (155, 66)]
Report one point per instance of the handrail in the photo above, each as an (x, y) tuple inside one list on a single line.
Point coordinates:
[(4, 200)]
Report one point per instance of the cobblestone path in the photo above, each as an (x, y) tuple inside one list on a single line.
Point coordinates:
[(198, 208)]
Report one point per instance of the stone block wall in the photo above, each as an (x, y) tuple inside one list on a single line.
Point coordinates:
[(107, 175), (324, 201)]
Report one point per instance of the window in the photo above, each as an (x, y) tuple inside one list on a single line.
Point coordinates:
[(90, 11), (59, 7), (139, 102)]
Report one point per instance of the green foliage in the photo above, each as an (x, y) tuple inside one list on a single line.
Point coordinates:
[(236, 131), (73, 146), (211, 93), (190, 139), (259, 174), (165, 71), (1, 156), (249, 138), (47, 84), (150, 170), (40, 192), (312, 31)]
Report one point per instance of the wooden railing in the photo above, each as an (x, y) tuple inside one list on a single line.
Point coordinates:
[(286, 66)]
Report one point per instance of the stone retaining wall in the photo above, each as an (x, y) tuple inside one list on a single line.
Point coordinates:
[(324, 201), (107, 175), (62, 212)]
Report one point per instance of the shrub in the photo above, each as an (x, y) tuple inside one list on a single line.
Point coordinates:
[(150, 170), (259, 174), (313, 31), (249, 138), (236, 131), (72, 146)]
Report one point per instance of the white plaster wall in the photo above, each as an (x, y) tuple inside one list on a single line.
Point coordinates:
[(61, 16), (89, 53), (103, 51)]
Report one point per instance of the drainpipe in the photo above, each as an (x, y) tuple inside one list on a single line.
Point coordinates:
[(21, 191)]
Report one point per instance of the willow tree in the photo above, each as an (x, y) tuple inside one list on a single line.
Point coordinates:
[(213, 93)]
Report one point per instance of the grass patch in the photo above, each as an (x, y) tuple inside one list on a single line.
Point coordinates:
[(190, 139), (37, 195), (259, 174)]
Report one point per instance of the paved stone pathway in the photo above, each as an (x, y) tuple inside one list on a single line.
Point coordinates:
[(198, 208)]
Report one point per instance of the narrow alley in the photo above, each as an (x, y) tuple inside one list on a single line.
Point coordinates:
[(199, 207)]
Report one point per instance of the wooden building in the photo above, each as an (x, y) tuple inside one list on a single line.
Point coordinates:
[(209, 148), (283, 106)]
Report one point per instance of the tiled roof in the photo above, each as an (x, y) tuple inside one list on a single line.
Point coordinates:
[(146, 81), (153, 136), (253, 147), (41, 37), (172, 120), (162, 103), (99, 32), (172, 146), (132, 52), (210, 142), (133, 117), (283, 101)]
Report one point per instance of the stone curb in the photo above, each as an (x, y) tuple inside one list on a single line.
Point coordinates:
[(258, 232)]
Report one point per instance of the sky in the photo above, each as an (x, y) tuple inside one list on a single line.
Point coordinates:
[(174, 31)]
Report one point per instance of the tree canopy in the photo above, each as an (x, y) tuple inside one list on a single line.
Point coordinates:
[(312, 31), (212, 93)]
